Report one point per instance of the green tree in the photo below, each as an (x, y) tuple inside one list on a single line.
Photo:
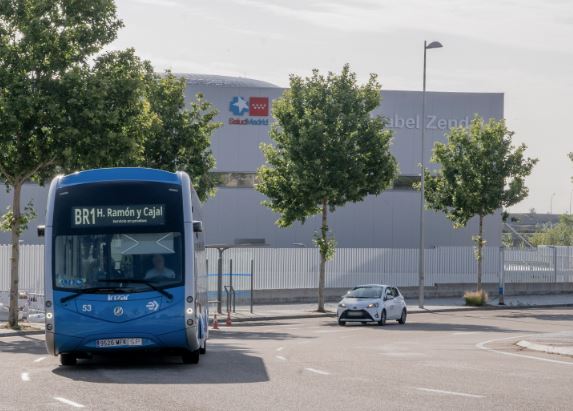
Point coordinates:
[(179, 138), (560, 234), (61, 109), (480, 172), (329, 150)]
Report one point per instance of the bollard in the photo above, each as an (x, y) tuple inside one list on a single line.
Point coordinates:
[(228, 322), (215, 322)]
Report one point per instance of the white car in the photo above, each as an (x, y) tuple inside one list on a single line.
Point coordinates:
[(372, 303)]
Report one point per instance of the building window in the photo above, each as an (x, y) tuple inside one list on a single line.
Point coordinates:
[(405, 182), (235, 180), (248, 180)]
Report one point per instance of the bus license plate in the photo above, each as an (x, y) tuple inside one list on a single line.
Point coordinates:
[(118, 342)]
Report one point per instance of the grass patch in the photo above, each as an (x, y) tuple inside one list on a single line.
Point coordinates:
[(475, 298)]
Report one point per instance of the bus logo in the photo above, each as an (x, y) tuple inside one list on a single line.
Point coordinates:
[(115, 297), (152, 305), (118, 311)]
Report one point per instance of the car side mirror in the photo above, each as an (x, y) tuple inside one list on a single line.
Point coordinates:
[(197, 226), (388, 297), (41, 230)]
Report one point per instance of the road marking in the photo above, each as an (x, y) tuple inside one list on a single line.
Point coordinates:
[(314, 370), (459, 394), (68, 402), (482, 346), (25, 376), (465, 332), (39, 359), (280, 357), (403, 354), (280, 349)]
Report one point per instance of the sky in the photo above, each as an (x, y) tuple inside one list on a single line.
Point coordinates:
[(523, 48)]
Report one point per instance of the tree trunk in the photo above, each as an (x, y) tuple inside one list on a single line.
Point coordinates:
[(15, 258), (480, 253), (322, 269)]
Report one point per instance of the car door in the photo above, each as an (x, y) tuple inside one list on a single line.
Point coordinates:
[(399, 302), (389, 303)]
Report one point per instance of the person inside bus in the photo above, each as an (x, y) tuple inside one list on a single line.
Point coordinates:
[(159, 270)]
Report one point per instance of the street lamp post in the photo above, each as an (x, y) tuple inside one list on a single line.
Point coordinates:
[(551, 204), (432, 45)]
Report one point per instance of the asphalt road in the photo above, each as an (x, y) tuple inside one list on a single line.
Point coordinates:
[(461, 360)]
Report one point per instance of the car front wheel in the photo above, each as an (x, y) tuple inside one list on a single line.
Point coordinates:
[(382, 320), (402, 319), (341, 323)]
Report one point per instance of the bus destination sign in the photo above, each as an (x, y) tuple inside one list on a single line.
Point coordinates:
[(118, 215)]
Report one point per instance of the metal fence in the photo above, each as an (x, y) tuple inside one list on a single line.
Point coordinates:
[(292, 268), (540, 265), (31, 273)]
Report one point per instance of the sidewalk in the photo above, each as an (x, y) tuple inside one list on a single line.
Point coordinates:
[(27, 329), (556, 343), (293, 311)]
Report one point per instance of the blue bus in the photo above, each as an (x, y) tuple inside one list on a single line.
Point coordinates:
[(125, 265)]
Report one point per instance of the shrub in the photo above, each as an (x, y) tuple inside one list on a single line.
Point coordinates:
[(475, 298)]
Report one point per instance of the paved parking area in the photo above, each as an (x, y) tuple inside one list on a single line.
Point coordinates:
[(440, 361)]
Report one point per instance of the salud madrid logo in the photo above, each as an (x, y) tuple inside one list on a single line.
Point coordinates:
[(252, 107)]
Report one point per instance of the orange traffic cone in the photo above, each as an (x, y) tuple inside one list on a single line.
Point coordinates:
[(228, 322), (215, 322)]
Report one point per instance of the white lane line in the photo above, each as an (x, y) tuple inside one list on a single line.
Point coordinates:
[(280, 357), (403, 354), (482, 345), (459, 394), (465, 332), (314, 370), (25, 376), (68, 402), (280, 349), (39, 359)]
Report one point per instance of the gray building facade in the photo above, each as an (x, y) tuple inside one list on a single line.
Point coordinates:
[(391, 219)]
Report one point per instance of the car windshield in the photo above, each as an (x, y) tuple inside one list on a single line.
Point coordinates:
[(134, 262), (365, 292)]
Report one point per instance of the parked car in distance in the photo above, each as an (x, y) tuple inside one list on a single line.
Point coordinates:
[(372, 303)]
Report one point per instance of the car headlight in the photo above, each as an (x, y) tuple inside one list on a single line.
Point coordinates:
[(342, 305), (373, 305)]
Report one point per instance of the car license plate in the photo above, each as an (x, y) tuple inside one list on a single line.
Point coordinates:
[(119, 342), (354, 313)]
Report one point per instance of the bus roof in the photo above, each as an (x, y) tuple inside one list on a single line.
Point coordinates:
[(119, 174)]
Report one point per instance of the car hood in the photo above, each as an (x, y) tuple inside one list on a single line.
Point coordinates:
[(358, 302)]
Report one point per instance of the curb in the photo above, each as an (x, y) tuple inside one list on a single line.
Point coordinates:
[(278, 317), (15, 333), (550, 349)]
